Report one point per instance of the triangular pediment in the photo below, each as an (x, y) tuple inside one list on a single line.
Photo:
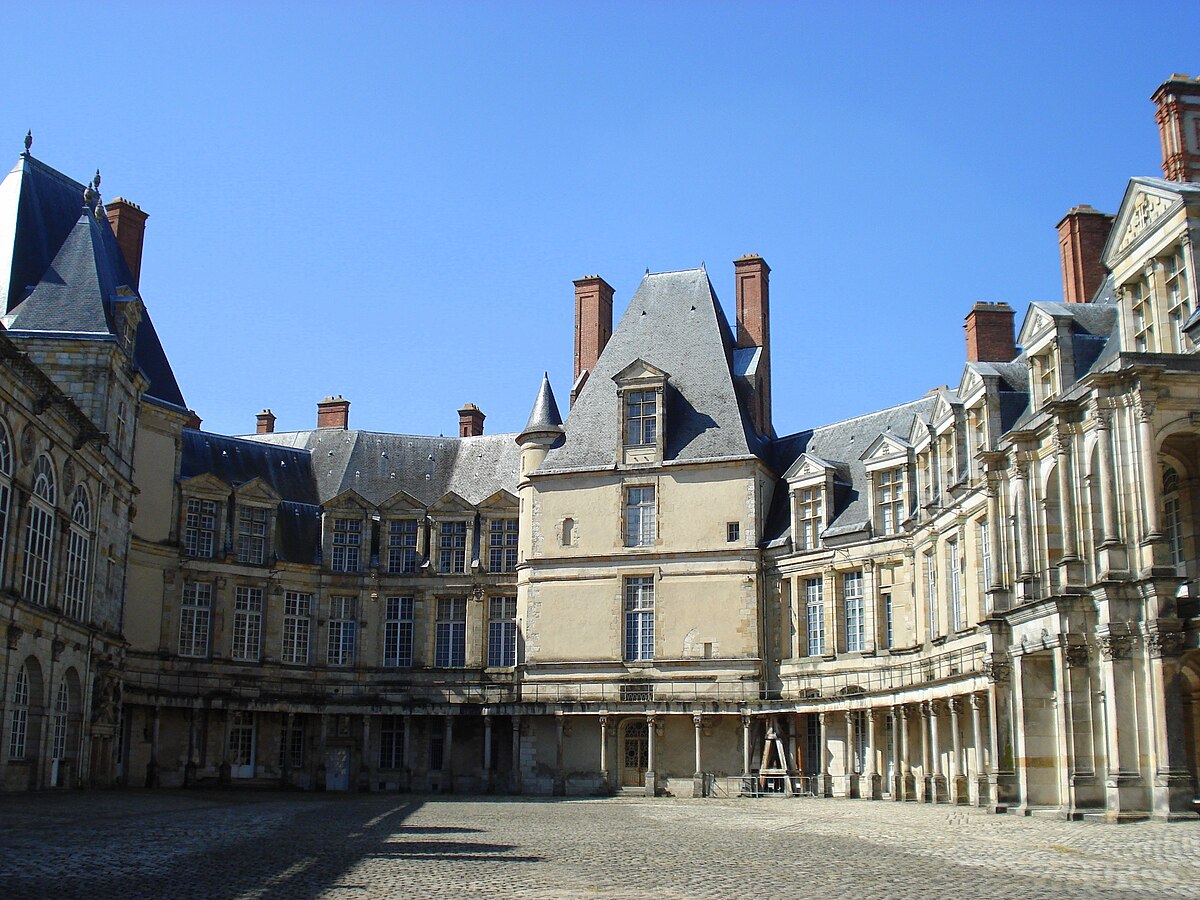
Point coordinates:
[(886, 446), (1147, 202), (402, 502), (1038, 323), (501, 500), (208, 484), (349, 499), (640, 370), (970, 383), (451, 503), (257, 489), (808, 466)]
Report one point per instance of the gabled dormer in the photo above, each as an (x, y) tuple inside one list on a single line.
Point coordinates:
[(1045, 336), (453, 544), (810, 488), (949, 434), (255, 505), (403, 537), (346, 532), (888, 462), (499, 532), (641, 391), (203, 503)]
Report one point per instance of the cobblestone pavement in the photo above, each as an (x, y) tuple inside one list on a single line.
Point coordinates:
[(266, 845)]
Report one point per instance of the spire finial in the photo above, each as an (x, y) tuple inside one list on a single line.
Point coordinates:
[(89, 197), (96, 180), (28, 139)]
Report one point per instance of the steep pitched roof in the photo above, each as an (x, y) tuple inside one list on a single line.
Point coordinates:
[(675, 323), (544, 418), (234, 461)]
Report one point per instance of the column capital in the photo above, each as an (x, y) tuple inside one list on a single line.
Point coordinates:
[(1161, 644), (870, 713), (1116, 646), (975, 700), (604, 721), (955, 705), (697, 719)]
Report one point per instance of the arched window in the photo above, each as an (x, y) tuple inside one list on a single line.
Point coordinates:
[(58, 740), (79, 550), (19, 730), (39, 533), (1173, 518), (5, 492)]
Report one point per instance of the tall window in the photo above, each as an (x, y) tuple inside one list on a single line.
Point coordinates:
[(639, 618), (200, 528), (1179, 305), (502, 631), (954, 567), (291, 746), (194, 617), (247, 623), (891, 499), (58, 738), (814, 606), (502, 545), (5, 492), (452, 548), (297, 624), (450, 640), (79, 551), (19, 721), (39, 533), (343, 629), (402, 546), (347, 542), (641, 424), (931, 592), (852, 599), (639, 516), (391, 743), (1174, 519), (811, 516), (398, 631), (985, 552), (860, 741), (889, 623), (252, 535), (1141, 305)]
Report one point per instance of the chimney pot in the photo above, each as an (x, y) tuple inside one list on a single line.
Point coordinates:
[(470, 421), (990, 337), (333, 412), (593, 326), (1082, 234), (266, 422), (1178, 117), (128, 223)]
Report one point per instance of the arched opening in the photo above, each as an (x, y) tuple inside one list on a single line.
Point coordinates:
[(1040, 760), (1053, 527), (65, 722), (25, 705), (635, 752)]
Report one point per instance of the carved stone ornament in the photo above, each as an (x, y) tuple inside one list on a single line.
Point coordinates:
[(68, 478), (106, 699), (1164, 643), (997, 671), (1077, 655), (1116, 646), (28, 443), (477, 591)]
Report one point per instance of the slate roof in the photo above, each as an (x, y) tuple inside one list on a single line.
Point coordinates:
[(544, 418), (841, 444), (236, 461), (377, 465), (674, 322), (69, 267)]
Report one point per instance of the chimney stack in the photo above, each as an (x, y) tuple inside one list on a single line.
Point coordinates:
[(128, 223), (1178, 117), (266, 422), (752, 279), (1082, 234), (593, 326), (470, 421), (989, 328), (333, 412)]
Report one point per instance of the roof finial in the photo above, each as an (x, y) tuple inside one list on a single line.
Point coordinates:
[(89, 196), (96, 180), (28, 140)]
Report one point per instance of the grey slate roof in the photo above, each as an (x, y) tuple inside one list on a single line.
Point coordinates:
[(236, 461), (377, 465), (841, 444), (673, 322), (544, 418), (40, 211)]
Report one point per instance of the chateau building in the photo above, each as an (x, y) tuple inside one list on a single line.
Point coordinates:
[(985, 596)]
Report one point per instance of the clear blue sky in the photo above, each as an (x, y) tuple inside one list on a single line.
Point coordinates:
[(391, 201)]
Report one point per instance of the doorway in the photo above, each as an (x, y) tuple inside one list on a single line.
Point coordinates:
[(635, 754), (241, 745)]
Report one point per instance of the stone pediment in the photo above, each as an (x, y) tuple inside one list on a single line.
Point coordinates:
[(640, 370), (1143, 208), (402, 502), (885, 447), (257, 489), (451, 503), (207, 484), (807, 466), (501, 500), (349, 499)]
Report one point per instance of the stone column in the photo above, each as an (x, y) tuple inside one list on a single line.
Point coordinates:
[(824, 779), (651, 775), (925, 793), (1001, 777), (516, 755), (560, 772), (908, 785), (874, 786), (1171, 789), (698, 775), (285, 750), (152, 766), (225, 774), (745, 745), (1108, 500), (448, 757), (319, 773), (364, 765), (897, 755), (1125, 792), (1021, 501), (938, 784), (189, 769), (604, 776), (487, 752), (978, 784), (957, 792), (995, 541), (1149, 464), (848, 757)]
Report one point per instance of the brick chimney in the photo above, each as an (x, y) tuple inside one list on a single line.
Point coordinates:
[(593, 326), (129, 225), (470, 421), (266, 422), (752, 279), (989, 328), (1178, 117), (1081, 237), (333, 412)]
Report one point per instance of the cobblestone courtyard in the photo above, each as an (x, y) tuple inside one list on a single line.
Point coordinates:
[(176, 844)]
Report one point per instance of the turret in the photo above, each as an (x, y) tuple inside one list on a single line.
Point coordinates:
[(543, 430)]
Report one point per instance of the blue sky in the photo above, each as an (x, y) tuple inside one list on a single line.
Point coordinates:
[(390, 201)]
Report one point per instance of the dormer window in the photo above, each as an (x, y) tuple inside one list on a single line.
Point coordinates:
[(200, 528), (890, 499), (347, 544), (810, 512), (1141, 307), (452, 548), (1179, 305), (252, 535), (641, 418)]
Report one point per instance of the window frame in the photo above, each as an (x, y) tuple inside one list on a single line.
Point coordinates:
[(346, 554), (502, 632), (639, 604), (196, 618), (38, 558), (402, 552), (503, 544), (253, 534), (341, 642), (194, 544), (450, 633), (452, 546), (248, 606), (399, 615), (296, 635), (639, 529)]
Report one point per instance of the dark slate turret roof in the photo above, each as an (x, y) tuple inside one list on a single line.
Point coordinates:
[(675, 323), (46, 251), (544, 416), (378, 466)]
